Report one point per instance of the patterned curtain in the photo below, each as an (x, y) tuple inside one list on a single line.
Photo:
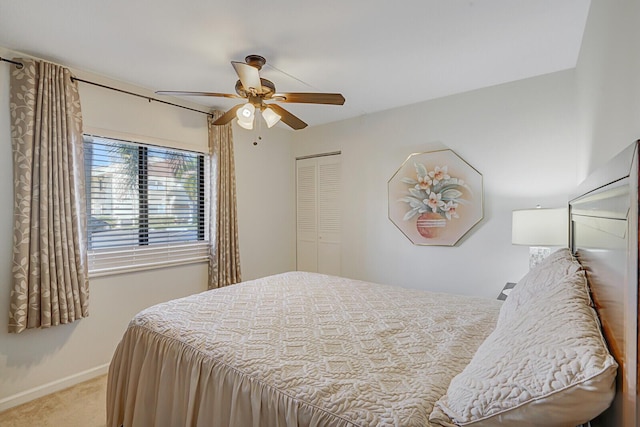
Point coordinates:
[(50, 285), (224, 264)]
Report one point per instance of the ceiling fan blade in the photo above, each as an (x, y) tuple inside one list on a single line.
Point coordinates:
[(288, 118), (183, 93), (249, 76), (310, 98), (228, 116)]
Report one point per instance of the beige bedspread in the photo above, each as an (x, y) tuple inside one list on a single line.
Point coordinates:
[(295, 349)]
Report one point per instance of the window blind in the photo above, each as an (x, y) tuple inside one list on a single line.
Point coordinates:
[(145, 205)]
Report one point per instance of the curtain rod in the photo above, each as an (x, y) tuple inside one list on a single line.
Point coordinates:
[(17, 64), (148, 98)]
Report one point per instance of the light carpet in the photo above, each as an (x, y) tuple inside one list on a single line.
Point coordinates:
[(83, 405)]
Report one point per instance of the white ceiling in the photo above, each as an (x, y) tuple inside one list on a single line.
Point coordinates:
[(378, 54)]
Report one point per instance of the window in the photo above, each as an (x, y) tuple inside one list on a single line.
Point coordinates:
[(145, 205)]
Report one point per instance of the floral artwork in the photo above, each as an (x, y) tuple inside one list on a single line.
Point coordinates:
[(433, 198)]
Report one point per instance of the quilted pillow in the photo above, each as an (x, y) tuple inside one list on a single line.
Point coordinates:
[(549, 365), (555, 267)]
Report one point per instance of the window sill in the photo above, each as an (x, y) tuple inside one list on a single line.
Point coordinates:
[(124, 270)]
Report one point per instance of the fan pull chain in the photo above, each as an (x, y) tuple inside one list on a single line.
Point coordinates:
[(258, 121)]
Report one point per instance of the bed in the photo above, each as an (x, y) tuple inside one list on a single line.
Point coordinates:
[(604, 237), (304, 349)]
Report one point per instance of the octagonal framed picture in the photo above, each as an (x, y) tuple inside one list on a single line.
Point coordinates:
[(436, 198)]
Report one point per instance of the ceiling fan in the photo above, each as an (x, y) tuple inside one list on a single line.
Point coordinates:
[(257, 91)]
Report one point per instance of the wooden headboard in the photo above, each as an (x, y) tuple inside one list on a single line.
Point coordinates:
[(604, 237)]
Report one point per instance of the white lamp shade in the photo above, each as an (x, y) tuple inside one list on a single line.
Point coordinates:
[(270, 116), (245, 115), (540, 227)]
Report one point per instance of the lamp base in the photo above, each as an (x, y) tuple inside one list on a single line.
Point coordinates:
[(537, 255)]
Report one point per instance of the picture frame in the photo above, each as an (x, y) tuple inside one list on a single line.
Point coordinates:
[(435, 198)]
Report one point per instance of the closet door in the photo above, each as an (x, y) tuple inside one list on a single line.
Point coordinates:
[(307, 215), (319, 214), (329, 218)]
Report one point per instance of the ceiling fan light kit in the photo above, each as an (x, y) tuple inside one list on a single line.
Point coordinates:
[(270, 116), (245, 115), (257, 91)]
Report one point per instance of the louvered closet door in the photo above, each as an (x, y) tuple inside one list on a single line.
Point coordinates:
[(307, 215), (318, 215)]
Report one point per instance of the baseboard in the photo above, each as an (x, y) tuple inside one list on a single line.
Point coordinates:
[(52, 387)]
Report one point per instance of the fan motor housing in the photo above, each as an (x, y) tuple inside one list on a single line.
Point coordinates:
[(268, 89), (255, 61)]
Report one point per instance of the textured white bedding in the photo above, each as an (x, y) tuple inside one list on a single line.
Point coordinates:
[(546, 362), (295, 349)]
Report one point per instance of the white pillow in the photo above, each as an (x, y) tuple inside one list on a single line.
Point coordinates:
[(545, 364), (555, 267)]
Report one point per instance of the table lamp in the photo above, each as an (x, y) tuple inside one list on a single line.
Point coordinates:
[(540, 228)]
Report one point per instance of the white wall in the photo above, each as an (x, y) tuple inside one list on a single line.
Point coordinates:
[(521, 136), (37, 362), (265, 181), (608, 79), (533, 140)]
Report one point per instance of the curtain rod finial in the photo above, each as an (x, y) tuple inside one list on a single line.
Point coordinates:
[(18, 65)]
